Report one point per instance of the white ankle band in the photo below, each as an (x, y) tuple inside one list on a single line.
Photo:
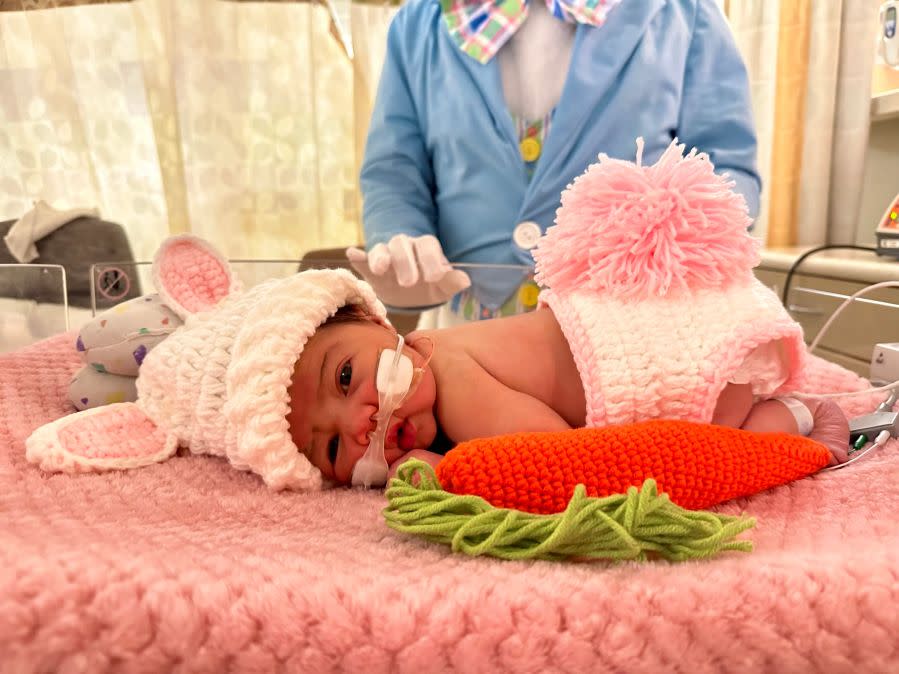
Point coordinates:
[(804, 419)]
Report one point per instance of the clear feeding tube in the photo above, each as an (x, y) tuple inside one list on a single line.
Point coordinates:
[(393, 380)]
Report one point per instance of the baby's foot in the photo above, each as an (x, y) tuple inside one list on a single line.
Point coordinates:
[(831, 428)]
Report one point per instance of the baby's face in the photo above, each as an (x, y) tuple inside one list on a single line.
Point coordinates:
[(333, 399)]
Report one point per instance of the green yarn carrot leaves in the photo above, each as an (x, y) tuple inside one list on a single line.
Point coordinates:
[(640, 524)]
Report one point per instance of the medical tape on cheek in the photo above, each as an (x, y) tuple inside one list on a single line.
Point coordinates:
[(393, 377)]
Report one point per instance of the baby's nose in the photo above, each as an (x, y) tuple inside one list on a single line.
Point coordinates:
[(363, 423)]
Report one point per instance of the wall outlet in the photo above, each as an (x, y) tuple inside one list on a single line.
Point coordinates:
[(885, 364)]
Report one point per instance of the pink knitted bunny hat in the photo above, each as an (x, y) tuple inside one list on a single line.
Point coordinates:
[(649, 272), (219, 384)]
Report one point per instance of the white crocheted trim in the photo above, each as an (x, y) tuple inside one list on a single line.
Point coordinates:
[(266, 348)]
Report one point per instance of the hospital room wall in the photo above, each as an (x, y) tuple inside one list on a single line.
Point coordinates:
[(881, 182)]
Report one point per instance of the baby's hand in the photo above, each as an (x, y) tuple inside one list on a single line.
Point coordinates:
[(422, 454)]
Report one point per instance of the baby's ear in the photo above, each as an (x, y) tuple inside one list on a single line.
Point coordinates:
[(191, 276)]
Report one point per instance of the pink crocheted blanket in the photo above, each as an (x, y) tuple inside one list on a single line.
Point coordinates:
[(192, 566)]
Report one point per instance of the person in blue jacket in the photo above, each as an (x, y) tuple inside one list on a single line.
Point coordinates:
[(486, 110)]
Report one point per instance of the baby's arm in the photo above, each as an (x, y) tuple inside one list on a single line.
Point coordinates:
[(431, 458)]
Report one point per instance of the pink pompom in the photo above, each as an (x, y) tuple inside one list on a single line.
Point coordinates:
[(641, 231)]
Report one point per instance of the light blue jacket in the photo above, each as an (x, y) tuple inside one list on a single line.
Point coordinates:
[(442, 155)]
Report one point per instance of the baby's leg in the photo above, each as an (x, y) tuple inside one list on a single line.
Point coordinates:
[(829, 425), (733, 405)]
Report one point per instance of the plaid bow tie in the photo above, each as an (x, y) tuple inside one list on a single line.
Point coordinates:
[(481, 27)]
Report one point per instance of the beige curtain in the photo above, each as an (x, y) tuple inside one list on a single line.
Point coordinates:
[(238, 121), (369, 24), (810, 65), (245, 121)]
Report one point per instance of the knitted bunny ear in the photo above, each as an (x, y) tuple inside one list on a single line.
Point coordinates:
[(114, 437), (191, 276)]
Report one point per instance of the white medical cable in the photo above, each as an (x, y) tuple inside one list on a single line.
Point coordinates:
[(848, 394), (826, 326), (879, 441), (846, 302)]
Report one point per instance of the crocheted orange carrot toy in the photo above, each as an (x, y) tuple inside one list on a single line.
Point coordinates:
[(594, 493), (697, 465)]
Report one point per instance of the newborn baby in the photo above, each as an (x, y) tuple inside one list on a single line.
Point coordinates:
[(477, 380), (651, 310)]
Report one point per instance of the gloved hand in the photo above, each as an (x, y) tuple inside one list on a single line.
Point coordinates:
[(409, 272)]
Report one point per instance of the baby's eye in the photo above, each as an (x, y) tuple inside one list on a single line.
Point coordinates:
[(345, 376), (333, 446)]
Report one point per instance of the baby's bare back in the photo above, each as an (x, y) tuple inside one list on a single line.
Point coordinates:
[(506, 375)]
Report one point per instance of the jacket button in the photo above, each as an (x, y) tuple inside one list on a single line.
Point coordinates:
[(526, 234), (530, 149)]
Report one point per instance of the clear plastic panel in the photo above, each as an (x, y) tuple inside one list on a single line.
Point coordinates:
[(33, 304), (511, 288), (116, 282)]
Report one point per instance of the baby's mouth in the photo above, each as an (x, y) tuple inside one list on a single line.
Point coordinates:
[(402, 435)]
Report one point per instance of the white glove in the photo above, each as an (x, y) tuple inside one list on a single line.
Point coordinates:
[(409, 272)]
